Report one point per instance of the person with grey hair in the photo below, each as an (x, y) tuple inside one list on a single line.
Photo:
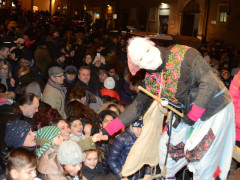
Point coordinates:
[(35, 89)]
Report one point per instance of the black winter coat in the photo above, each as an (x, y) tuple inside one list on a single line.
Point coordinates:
[(106, 147), (97, 173)]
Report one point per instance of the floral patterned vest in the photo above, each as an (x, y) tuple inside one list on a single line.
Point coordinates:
[(170, 76)]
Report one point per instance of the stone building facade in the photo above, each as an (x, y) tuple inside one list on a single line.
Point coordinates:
[(210, 19)]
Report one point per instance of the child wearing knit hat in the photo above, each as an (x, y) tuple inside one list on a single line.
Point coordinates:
[(47, 137), (70, 157), (108, 89)]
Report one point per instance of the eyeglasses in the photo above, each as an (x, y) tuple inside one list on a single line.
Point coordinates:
[(5, 69)]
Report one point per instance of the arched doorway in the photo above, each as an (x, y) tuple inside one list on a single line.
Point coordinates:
[(190, 21)]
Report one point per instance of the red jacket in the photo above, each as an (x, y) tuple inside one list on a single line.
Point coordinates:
[(111, 93)]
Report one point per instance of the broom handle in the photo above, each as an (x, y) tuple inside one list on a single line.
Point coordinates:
[(158, 99)]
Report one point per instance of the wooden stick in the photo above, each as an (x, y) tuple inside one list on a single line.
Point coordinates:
[(159, 100)]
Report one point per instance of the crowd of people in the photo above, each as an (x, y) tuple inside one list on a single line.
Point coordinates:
[(59, 86)]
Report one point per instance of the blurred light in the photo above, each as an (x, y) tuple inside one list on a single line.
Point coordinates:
[(35, 8), (97, 15), (109, 9), (164, 6), (13, 5), (4, 3), (114, 16)]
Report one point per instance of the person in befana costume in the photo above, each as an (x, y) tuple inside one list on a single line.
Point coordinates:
[(204, 138)]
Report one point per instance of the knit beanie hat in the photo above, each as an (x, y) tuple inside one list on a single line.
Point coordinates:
[(16, 133), (109, 83), (138, 123), (47, 133), (69, 153)]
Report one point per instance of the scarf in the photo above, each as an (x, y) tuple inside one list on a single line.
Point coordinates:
[(63, 90), (77, 138), (4, 80)]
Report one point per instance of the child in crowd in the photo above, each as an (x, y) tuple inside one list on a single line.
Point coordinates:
[(21, 165), (87, 143), (61, 163), (70, 157), (108, 89), (76, 127), (46, 137), (225, 77), (92, 169), (120, 149), (104, 118)]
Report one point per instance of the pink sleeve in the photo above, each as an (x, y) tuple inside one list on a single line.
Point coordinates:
[(3, 100), (114, 126), (196, 112), (234, 90)]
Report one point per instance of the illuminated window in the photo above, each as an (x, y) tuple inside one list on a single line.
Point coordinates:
[(223, 13)]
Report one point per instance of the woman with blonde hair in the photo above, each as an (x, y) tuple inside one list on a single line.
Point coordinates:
[(6, 75)]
